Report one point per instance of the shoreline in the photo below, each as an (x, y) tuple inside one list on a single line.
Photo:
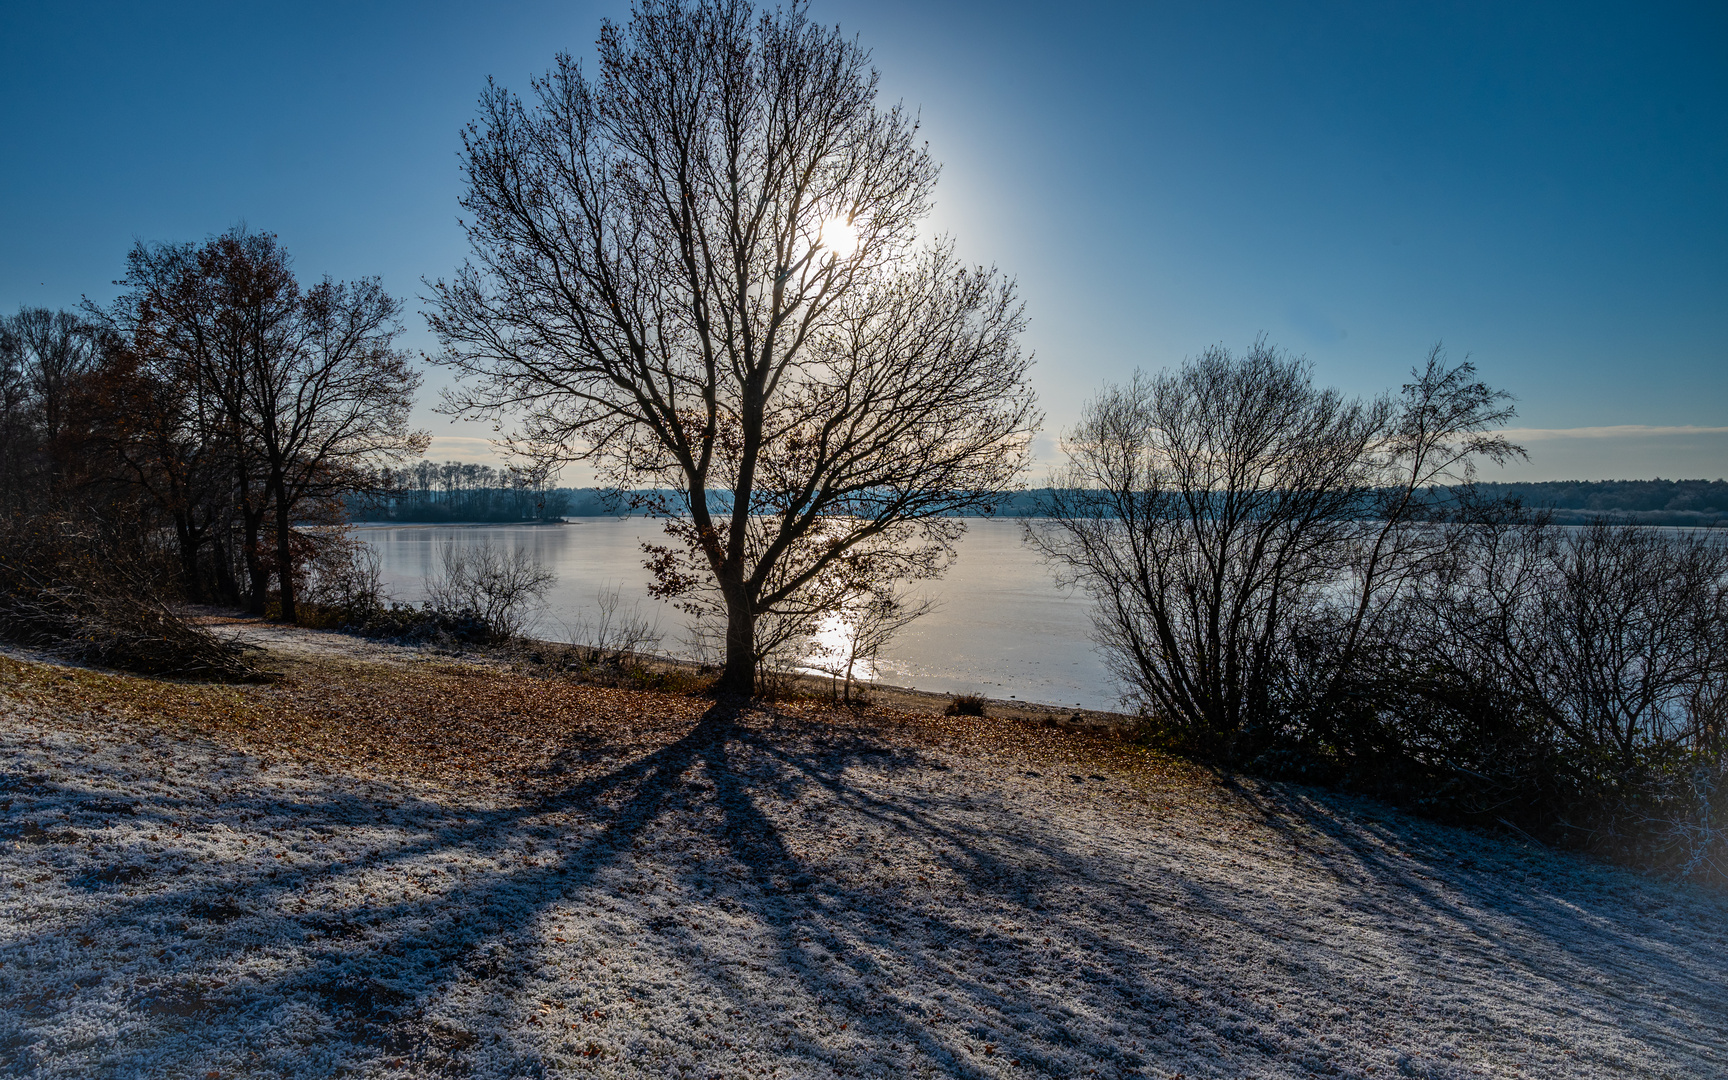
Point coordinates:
[(819, 688)]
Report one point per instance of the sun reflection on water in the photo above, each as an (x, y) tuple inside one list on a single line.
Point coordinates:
[(831, 647)]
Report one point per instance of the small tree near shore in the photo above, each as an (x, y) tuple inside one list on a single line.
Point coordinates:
[(699, 268), (1213, 510)]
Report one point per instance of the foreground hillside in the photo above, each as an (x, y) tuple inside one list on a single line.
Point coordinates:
[(391, 864)]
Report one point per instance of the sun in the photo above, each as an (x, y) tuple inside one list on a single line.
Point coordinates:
[(840, 237)]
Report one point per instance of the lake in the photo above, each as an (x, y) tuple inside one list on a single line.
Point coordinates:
[(1001, 627)]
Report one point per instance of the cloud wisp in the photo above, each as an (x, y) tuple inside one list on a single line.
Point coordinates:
[(1612, 431)]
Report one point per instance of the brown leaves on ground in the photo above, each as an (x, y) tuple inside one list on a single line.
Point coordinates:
[(476, 726)]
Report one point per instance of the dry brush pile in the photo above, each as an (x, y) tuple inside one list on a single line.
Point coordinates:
[(66, 591)]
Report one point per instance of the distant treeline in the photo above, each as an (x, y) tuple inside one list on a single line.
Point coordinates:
[(1648, 502), (1574, 502), (454, 491), (457, 491)]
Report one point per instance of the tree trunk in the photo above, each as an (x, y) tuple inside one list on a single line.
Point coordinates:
[(253, 525), (285, 558), (226, 587), (190, 541), (251, 531), (738, 677)]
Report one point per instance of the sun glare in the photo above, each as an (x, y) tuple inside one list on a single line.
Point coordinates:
[(840, 237)]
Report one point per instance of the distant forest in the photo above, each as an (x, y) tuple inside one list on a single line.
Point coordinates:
[(1648, 502), (454, 491), (1574, 502), (466, 492)]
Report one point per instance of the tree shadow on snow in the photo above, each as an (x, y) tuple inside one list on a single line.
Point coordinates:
[(1021, 949)]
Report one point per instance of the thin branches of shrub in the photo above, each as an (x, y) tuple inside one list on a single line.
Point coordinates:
[(1573, 680), (342, 583), (1308, 586), (1207, 509), (503, 588), (614, 635)]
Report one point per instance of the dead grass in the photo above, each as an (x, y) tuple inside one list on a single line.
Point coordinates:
[(476, 725), (390, 863)]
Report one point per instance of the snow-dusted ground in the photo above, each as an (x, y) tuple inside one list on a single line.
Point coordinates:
[(799, 895)]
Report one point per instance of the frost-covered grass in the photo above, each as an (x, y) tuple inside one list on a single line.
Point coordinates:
[(790, 893)]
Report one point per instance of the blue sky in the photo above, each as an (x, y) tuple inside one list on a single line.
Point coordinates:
[(1543, 187)]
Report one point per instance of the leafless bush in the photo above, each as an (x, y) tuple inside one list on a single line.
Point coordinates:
[(1686, 820), (865, 625), (503, 588), (1617, 630), (1311, 587), (1200, 508), (344, 581), (1602, 651), (615, 634), (1213, 510), (965, 705)]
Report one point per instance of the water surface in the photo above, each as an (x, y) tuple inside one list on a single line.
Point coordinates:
[(1001, 627)]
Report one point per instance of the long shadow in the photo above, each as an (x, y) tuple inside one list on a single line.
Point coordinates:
[(372, 988), (1120, 1002), (365, 989), (1545, 917)]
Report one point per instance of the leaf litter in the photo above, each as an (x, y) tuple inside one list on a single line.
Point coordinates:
[(394, 863)]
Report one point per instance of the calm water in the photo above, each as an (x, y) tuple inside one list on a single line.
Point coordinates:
[(1001, 627)]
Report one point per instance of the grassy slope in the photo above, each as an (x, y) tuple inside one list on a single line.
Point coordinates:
[(432, 868)]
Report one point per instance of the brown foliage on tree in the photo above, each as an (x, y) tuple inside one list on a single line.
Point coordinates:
[(269, 401)]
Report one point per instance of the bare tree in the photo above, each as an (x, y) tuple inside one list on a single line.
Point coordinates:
[(56, 348), (160, 435), (301, 394), (15, 428), (1200, 508), (194, 315), (700, 270), (332, 407), (43, 354)]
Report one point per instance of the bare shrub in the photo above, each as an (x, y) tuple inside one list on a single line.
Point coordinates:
[(501, 587), (1201, 508), (1592, 661), (615, 634), (965, 705), (866, 625), (343, 581), (1221, 514), (1686, 819)]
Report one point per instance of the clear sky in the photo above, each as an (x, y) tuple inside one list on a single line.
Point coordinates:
[(1543, 187)]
